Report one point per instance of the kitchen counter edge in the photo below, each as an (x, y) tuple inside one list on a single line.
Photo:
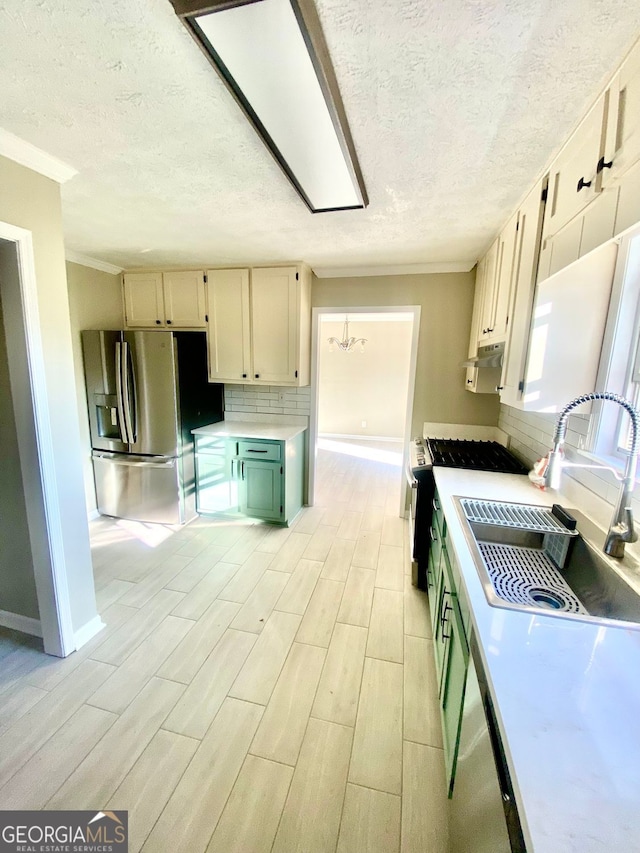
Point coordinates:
[(567, 697)]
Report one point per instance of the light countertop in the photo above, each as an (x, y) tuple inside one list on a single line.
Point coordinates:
[(567, 697), (251, 429)]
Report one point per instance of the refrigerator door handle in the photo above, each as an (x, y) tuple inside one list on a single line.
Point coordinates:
[(136, 461), (129, 397), (120, 398)]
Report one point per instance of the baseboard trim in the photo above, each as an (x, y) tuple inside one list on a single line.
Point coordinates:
[(88, 631), (93, 514), (20, 623), (359, 437)]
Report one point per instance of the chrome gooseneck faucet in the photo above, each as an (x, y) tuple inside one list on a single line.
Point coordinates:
[(621, 529)]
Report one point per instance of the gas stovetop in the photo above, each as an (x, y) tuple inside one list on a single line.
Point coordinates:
[(476, 455)]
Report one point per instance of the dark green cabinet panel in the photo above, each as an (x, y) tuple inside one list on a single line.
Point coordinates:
[(260, 489)]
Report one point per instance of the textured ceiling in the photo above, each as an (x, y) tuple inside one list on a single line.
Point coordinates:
[(455, 107)]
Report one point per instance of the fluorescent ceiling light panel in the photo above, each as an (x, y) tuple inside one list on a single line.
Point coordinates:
[(273, 58)]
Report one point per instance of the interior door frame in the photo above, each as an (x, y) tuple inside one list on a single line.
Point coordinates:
[(56, 627), (316, 313)]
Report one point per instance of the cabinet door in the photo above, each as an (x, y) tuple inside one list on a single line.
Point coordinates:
[(504, 280), (215, 491), (622, 141), (573, 182), (444, 598), (452, 693), (184, 300), (143, 300), (228, 337), (524, 278), (488, 292), (260, 489), (274, 325)]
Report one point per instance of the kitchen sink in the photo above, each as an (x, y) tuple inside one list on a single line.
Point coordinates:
[(518, 559)]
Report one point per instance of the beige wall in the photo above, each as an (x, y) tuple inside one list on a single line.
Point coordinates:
[(367, 386), (95, 302), (17, 581), (30, 201), (446, 301)]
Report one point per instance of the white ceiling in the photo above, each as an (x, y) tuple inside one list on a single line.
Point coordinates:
[(455, 108)]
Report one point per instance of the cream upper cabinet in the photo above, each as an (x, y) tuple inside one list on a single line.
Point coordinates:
[(260, 325), (143, 300), (504, 281), (573, 181), (229, 331), (487, 293), (165, 300), (274, 326), (471, 379), (622, 138), (527, 248), (184, 299)]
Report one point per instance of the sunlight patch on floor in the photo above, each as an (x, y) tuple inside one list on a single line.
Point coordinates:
[(389, 457)]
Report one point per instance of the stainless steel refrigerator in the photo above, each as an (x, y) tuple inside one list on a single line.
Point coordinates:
[(146, 391)]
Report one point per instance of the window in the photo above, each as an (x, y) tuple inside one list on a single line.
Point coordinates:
[(610, 435)]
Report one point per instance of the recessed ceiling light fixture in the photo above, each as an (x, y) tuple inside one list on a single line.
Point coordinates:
[(273, 58)]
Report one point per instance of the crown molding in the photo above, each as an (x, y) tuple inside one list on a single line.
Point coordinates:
[(393, 269), (94, 263), (14, 148)]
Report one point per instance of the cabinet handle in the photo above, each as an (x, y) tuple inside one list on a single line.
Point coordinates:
[(582, 184), (602, 165), (444, 620), (242, 470), (250, 450), (469, 381), (499, 387), (158, 322)]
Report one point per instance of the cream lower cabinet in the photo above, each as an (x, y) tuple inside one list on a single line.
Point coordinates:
[(165, 300), (260, 325)]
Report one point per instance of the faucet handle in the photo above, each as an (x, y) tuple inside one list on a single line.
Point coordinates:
[(630, 534)]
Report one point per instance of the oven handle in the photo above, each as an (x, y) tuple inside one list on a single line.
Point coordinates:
[(411, 480)]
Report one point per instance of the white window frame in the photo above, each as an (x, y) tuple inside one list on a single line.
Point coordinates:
[(620, 359)]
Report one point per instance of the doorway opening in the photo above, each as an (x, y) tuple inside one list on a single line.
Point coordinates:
[(363, 377)]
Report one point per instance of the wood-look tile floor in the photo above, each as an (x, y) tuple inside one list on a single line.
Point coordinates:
[(255, 689)]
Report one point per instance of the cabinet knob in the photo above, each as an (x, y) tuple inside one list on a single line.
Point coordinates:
[(582, 184), (244, 375), (168, 322), (158, 322), (469, 381), (602, 165), (257, 376), (499, 387)]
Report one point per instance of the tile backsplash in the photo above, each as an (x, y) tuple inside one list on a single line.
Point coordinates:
[(267, 399), (531, 436)]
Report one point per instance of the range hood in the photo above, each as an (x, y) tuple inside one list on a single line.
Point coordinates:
[(491, 355)]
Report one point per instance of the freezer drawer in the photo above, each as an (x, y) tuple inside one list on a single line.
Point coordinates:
[(141, 488)]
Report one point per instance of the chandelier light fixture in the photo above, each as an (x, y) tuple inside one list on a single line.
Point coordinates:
[(347, 343), (273, 58)]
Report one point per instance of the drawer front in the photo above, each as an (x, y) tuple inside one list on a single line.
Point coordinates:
[(438, 517), (265, 450)]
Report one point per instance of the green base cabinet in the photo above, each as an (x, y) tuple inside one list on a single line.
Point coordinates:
[(260, 489), (450, 624), (258, 478)]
